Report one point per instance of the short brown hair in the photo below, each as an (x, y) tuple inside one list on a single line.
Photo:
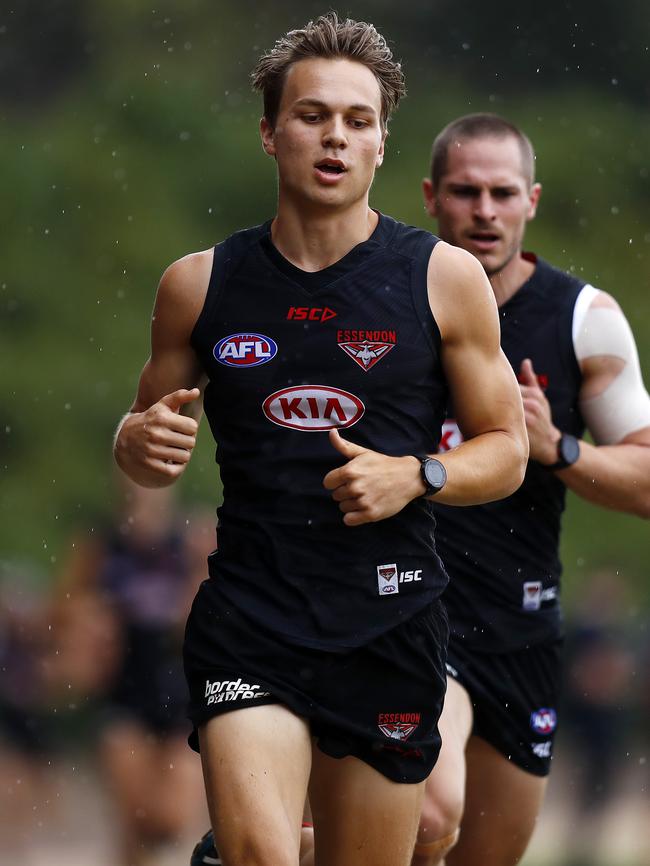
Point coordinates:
[(473, 126), (328, 36)]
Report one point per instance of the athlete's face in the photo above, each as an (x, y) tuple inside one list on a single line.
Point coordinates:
[(328, 138), (483, 200)]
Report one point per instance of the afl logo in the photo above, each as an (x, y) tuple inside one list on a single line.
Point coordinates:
[(313, 408), (245, 350), (543, 721)]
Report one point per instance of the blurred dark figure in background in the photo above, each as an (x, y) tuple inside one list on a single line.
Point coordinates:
[(599, 709), (143, 570), (25, 736)]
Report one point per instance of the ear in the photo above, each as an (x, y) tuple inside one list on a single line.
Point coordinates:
[(380, 152), (267, 133), (533, 200), (429, 197)]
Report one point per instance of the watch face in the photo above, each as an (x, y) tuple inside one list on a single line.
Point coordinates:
[(435, 474), (569, 449)]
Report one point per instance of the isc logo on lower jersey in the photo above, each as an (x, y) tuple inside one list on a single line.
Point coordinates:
[(389, 578)]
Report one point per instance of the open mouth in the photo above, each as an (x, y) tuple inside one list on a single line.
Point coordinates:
[(484, 237), (331, 167)]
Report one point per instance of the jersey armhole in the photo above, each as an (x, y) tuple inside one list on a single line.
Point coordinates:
[(220, 263), (420, 294)]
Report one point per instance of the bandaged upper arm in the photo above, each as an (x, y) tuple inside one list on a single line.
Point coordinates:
[(623, 406)]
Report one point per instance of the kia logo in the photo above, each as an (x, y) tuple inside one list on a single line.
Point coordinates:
[(313, 408)]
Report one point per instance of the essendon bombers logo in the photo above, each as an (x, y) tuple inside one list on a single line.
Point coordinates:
[(366, 348), (398, 726), (387, 579), (313, 408), (245, 350)]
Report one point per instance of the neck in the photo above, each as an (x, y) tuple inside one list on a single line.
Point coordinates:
[(507, 282), (313, 239)]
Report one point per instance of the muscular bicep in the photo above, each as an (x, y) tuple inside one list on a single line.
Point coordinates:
[(482, 384), (173, 363), (613, 399)]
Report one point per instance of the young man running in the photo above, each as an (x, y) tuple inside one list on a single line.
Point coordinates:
[(315, 651), (577, 365)]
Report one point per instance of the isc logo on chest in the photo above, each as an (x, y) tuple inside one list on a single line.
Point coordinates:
[(313, 408), (245, 350)]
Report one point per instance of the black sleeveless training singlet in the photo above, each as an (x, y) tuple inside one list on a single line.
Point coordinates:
[(502, 557), (289, 355)]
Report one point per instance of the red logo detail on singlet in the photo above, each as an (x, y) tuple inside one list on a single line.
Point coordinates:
[(365, 347), (312, 314), (313, 408), (542, 379), (450, 436), (398, 726)]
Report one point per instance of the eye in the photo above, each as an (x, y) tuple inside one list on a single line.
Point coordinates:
[(312, 117), (358, 123), (503, 193), (464, 192)]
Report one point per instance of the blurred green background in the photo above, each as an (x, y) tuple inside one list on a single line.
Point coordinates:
[(129, 137)]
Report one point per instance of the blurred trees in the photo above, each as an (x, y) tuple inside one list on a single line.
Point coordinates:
[(129, 137)]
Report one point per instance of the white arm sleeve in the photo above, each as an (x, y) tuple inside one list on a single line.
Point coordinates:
[(624, 405)]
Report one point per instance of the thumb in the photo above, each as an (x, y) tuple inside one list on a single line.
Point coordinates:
[(347, 449), (527, 373), (179, 398)]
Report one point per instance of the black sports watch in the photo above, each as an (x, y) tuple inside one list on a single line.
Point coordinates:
[(568, 451), (434, 474)]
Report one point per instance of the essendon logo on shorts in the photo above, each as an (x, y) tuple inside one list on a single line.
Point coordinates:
[(312, 314), (245, 350), (387, 579), (313, 408), (366, 348), (398, 726)]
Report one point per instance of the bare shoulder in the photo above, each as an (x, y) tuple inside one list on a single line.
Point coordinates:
[(459, 291), (185, 281), (181, 293)]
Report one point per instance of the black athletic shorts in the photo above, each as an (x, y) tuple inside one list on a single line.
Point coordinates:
[(379, 703), (515, 697)]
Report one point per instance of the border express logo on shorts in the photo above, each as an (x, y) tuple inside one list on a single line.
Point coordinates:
[(313, 408), (398, 726), (245, 350), (543, 721), (231, 690)]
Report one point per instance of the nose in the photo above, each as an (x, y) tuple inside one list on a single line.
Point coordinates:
[(334, 135), (484, 206)]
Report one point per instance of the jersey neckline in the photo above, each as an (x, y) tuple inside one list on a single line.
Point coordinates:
[(315, 281)]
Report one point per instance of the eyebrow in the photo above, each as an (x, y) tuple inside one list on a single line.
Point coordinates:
[(317, 103)]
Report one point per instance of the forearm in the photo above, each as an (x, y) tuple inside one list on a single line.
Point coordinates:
[(488, 467), (613, 476)]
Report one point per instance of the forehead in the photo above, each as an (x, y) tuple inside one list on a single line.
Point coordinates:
[(486, 160), (333, 81)]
